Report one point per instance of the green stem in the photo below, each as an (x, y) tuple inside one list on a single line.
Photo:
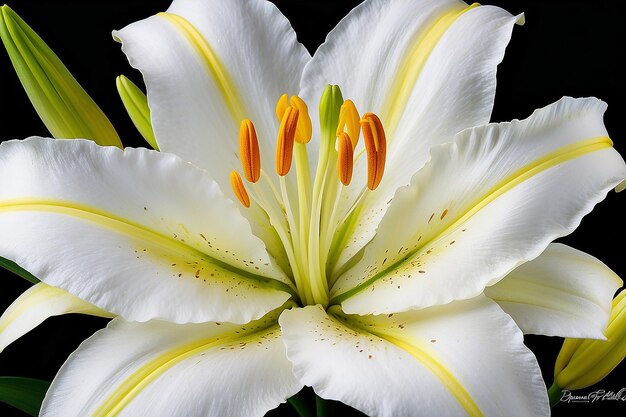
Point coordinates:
[(323, 407), (300, 405), (554, 394)]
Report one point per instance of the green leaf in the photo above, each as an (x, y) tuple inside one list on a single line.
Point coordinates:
[(62, 104), (25, 394), (18, 270)]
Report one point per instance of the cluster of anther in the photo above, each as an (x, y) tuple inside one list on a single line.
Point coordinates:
[(295, 127)]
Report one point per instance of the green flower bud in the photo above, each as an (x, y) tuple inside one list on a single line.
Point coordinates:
[(136, 105), (62, 104), (584, 362)]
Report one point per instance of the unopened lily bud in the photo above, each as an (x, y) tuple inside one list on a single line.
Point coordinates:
[(136, 105), (584, 362), (62, 104)]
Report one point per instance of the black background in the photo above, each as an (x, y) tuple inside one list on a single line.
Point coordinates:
[(566, 48)]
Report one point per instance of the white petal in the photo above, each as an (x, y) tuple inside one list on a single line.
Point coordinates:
[(35, 305), (163, 369), (244, 57), (563, 292), (483, 205), (207, 66), (463, 358), (139, 233), (428, 68)]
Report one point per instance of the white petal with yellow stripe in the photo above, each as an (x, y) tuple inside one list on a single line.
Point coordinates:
[(465, 358), (427, 68), (563, 292), (35, 305), (208, 65), (164, 369), (483, 205), (138, 233)]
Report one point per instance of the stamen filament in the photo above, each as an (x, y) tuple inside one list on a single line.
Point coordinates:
[(304, 189), (294, 232), (277, 195), (278, 221)]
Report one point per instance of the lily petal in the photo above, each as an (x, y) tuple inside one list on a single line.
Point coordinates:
[(35, 305), (435, 76), (207, 66), (139, 233), (163, 369), (488, 202), (419, 363), (563, 292)]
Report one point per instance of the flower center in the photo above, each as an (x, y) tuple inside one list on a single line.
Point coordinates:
[(307, 213)]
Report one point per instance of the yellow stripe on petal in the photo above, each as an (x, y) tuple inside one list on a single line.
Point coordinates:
[(423, 355), (410, 70), (438, 369), (550, 160), (133, 385), (163, 248), (559, 156), (220, 75)]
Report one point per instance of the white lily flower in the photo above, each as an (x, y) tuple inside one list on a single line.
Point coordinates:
[(377, 273)]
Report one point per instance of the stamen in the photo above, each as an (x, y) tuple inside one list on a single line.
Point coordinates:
[(286, 135), (239, 189), (281, 106), (305, 130), (345, 158), (349, 120), (249, 151), (376, 148)]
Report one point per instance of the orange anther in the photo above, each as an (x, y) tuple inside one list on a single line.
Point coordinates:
[(249, 151), (345, 158), (286, 135), (281, 106), (349, 120), (305, 129), (376, 148), (239, 189)]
